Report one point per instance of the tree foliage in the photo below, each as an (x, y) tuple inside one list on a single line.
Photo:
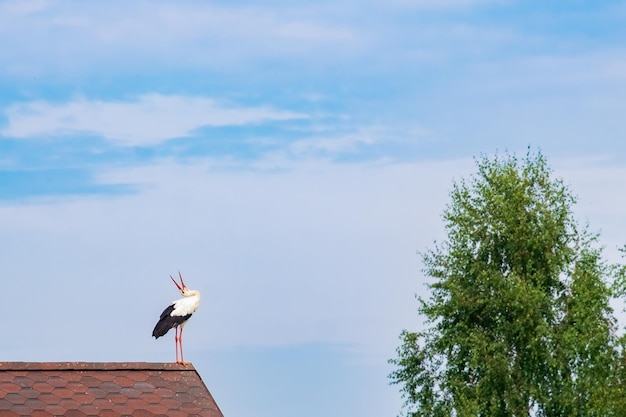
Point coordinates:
[(518, 321)]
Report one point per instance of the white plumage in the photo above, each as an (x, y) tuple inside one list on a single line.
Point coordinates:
[(187, 306)]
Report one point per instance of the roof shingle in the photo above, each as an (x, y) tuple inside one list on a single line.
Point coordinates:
[(106, 389)]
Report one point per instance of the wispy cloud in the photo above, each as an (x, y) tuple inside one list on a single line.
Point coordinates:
[(356, 141), (188, 33), (441, 4), (147, 120), (13, 9)]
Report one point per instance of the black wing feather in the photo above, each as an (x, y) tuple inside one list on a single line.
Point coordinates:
[(167, 322)]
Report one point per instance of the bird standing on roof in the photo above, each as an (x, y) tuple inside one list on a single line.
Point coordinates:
[(176, 315)]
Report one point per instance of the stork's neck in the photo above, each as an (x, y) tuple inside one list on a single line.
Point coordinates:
[(192, 293)]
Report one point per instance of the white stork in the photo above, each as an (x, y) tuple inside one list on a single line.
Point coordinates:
[(177, 314)]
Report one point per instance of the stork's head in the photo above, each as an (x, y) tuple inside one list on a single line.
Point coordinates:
[(181, 287)]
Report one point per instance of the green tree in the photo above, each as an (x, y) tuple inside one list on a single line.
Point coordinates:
[(518, 321)]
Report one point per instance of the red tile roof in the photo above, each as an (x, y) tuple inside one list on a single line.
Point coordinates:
[(76, 389)]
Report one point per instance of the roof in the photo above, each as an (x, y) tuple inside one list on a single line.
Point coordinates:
[(106, 389)]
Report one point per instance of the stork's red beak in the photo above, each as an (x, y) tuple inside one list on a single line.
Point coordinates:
[(182, 285)]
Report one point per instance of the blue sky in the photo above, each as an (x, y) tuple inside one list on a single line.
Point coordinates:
[(288, 158)]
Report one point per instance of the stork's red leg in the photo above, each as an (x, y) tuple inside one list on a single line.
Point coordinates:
[(176, 339), (180, 342)]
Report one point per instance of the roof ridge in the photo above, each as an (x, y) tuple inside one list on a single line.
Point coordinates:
[(94, 366)]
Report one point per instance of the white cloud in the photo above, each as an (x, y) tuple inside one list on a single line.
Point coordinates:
[(148, 33), (336, 143), (442, 4), (148, 120)]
